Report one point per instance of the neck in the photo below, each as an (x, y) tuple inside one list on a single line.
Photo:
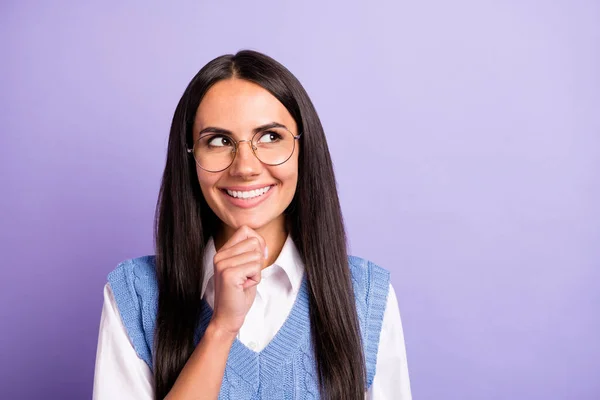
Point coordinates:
[(274, 233)]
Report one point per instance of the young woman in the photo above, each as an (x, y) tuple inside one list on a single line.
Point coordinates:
[(251, 293)]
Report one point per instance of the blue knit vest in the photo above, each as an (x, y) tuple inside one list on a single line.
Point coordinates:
[(286, 367)]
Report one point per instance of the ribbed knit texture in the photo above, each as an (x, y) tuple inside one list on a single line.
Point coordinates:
[(286, 367)]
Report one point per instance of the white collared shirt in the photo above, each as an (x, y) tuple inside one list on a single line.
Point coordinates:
[(121, 374)]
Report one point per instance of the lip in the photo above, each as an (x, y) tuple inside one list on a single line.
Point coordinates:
[(247, 203), (246, 188)]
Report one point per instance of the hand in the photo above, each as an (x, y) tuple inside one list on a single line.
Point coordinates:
[(237, 267)]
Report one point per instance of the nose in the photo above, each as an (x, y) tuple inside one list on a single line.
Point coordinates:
[(245, 163)]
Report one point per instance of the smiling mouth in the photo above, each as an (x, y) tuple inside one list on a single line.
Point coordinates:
[(247, 195)]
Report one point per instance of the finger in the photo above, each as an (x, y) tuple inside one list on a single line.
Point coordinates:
[(250, 244), (245, 275), (253, 274), (240, 259), (241, 234)]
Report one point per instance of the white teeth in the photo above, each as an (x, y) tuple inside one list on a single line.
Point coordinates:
[(248, 194)]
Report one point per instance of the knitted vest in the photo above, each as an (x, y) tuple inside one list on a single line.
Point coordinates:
[(286, 367)]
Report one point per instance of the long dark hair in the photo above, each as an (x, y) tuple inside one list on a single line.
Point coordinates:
[(184, 223)]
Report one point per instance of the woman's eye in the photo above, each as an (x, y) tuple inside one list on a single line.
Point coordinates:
[(219, 141), (269, 137)]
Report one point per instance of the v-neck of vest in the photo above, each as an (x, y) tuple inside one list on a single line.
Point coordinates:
[(293, 334)]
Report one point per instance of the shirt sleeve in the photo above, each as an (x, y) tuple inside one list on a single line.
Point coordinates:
[(391, 380), (119, 372)]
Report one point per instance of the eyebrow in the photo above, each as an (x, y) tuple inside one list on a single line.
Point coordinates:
[(271, 125)]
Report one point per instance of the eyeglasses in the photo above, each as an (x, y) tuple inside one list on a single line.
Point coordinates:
[(215, 152)]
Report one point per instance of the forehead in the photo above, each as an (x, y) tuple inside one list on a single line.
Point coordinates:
[(240, 106)]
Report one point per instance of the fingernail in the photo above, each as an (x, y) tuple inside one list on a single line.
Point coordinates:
[(266, 252)]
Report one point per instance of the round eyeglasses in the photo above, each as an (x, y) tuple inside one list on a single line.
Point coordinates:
[(215, 151)]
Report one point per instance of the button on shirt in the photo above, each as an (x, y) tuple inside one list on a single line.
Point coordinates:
[(121, 374)]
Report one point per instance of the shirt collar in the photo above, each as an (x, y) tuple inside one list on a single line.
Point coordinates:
[(289, 261)]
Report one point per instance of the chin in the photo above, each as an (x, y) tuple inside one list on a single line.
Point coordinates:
[(249, 221), (254, 222)]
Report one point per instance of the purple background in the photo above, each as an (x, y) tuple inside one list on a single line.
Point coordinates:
[(466, 141)]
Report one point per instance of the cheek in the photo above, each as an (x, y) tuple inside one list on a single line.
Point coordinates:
[(207, 181), (289, 177)]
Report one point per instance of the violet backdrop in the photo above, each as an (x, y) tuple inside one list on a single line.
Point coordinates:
[(466, 142)]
